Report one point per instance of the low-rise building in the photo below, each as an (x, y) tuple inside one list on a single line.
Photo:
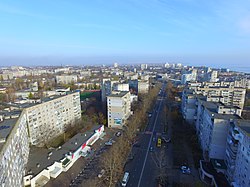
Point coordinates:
[(44, 164), (66, 79)]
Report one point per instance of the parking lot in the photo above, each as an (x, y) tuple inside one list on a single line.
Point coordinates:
[(84, 168)]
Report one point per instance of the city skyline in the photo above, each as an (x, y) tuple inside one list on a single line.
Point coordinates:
[(214, 33)]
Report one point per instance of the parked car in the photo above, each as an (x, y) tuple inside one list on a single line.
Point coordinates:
[(108, 143), (185, 169), (101, 173), (118, 134), (130, 156)]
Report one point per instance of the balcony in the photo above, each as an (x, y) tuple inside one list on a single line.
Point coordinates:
[(233, 148), (236, 134)]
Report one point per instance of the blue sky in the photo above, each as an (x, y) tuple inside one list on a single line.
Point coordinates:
[(102, 31)]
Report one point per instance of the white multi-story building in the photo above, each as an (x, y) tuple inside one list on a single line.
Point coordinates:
[(238, 154), (52, 117), (189, 77), (144, 66), (118, 109), (121, 87), (188, 105), (229, 96), (186, 78), (212, 127), (213, 76), (115, 65), (14, 151), (143, 86), (66, 79), (107, 87)]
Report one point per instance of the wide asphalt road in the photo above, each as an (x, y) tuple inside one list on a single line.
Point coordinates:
[(143, 168)]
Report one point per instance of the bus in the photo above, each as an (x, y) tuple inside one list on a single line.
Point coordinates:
[(125, 179), (159, 142)]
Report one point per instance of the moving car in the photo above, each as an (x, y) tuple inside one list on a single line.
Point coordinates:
[(151, 149)]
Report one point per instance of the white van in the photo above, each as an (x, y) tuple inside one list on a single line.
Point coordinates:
[(125, 179)]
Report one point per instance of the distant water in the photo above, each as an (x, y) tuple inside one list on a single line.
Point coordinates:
[(240, 69)]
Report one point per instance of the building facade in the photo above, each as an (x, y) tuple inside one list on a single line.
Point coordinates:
[(143, 87), (212, 125), (239, 164), (118, 109), (14, 151), (66, 79), (52, 117)]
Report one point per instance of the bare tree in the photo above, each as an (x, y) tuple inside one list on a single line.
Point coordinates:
[(161, 163)]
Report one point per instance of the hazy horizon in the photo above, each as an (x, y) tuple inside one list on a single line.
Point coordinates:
[(192, 32)]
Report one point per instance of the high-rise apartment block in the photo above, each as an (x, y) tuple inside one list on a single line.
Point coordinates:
[(144, 66), (119, 109), (14, 150), (215, 108), (143, 87), (52, 117), (189, 77), (238, 153), (230, 96), (212, 126), (35, 124)]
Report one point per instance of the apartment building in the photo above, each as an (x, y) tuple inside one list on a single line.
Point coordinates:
[(238, 153), (213, 76), (212, 125), (119, 109), (52, 117), (143, 87), (230, 96), (66, 79), (189, 77), (14, 150), (188, 105), (144, 66), (107, 87), (121, 87)]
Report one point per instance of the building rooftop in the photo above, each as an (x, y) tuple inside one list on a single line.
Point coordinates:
[(41, 158), (27, 105), (244, 125), (118, 94), (212, 109), (5, 128)]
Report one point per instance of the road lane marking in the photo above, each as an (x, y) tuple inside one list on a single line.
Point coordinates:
[(150, 141)]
